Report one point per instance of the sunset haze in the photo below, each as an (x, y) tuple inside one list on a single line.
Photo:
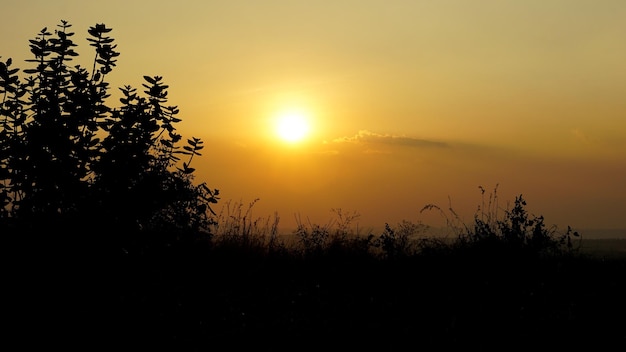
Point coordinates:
[(407, 103)]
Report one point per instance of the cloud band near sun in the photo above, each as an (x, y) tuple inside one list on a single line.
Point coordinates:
[(368, 137)]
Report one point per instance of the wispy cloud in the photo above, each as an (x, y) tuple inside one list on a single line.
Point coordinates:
[(368, 137)]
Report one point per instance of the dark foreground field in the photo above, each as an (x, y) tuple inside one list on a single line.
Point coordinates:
[(203, 298)]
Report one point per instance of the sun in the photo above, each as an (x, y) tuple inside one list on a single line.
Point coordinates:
[(292, 126)]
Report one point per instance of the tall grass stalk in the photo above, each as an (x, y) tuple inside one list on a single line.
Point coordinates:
[(236, 226)]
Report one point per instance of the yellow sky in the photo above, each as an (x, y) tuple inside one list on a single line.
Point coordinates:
[(410, 102)]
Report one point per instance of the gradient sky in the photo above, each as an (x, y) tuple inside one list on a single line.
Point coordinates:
[(410, 102)]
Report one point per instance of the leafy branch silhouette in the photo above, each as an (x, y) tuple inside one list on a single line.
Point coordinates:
[(69, 161)]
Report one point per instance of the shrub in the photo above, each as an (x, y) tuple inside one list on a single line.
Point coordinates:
[(70, 162), (517, 232)]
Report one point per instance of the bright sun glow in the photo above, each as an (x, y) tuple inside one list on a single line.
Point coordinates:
[(292, 126)]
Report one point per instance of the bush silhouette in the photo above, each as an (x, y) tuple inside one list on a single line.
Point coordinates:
[(516, 232), (70, 162)]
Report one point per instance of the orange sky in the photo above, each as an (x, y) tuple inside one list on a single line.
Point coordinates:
[(409, 102)]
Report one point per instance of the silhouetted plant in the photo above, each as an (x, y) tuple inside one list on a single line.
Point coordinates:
[(313, 238), (70, 161), (236, 227), (400, 241), (517, 231)]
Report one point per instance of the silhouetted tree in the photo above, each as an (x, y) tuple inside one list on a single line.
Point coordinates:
[(70, 162)]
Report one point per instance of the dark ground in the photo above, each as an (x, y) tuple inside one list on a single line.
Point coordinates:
[(199, 299)]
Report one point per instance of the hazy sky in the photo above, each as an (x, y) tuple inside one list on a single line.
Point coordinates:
[(409, 102)]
